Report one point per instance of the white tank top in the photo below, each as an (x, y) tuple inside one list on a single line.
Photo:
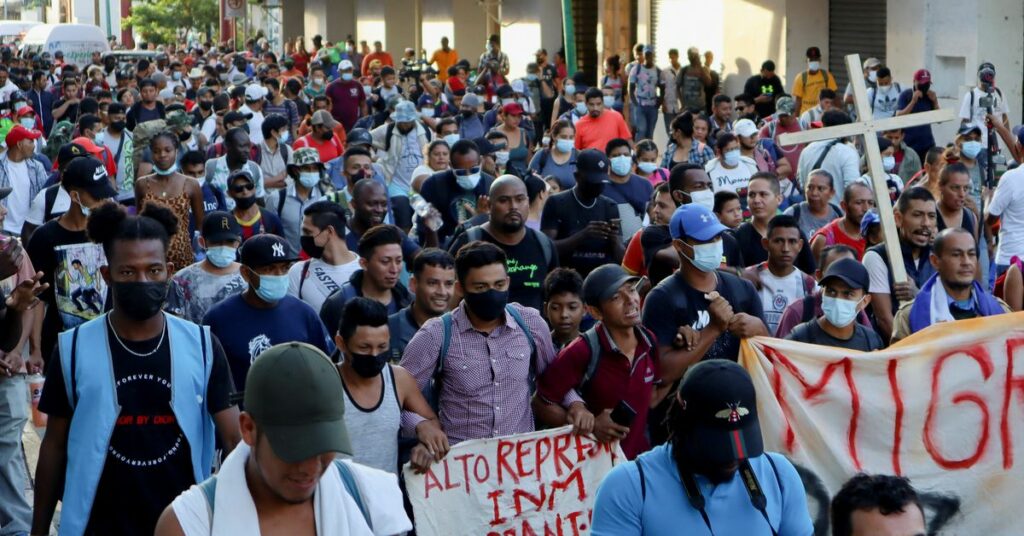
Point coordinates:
[(373, 431)]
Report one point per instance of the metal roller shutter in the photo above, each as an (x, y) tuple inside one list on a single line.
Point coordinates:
[(854, 27)]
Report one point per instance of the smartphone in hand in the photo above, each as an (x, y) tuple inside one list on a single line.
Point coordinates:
[(623, 414)]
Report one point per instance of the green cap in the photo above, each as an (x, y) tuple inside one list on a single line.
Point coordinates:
[(294, 394), (305, 156)]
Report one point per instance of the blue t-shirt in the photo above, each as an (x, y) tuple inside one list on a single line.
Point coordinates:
[(918, 138), (245, 331), (621, 509), (636, 192), (565, 173)]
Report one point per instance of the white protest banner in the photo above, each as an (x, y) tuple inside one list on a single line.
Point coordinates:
[(234, 9), (944, 407), (529, 484)]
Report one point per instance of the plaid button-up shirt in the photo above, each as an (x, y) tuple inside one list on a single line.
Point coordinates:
[(485, 388)]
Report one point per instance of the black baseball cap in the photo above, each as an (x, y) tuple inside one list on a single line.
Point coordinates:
[(90, 175), (485, 146), (813, 53), (592, 166), (68, 152), (235, 116), (849, 271), (219, 226), (718, 408), (602, 283), (241, 173), (264, 249), (359, 136), (295, 395), (505, 91)]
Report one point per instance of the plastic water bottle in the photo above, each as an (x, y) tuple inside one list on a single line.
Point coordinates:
[(422, 208)]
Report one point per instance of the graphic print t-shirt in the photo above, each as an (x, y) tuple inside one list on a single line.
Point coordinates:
[(148, 459), (319, 281), (194, 291), (527, 267), (778, 292)]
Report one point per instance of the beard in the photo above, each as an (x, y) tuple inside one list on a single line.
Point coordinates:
[(510, 227)]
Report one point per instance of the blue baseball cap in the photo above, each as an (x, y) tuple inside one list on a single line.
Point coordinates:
[(695, 221), (870, 218)]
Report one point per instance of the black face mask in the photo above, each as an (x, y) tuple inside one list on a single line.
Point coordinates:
[(118, 126), (308, 244), (140, 300), (368, 365), (468, 113), (923, 88), (590, 191), (245, 202), (488, 305), (205, 106), (184, 136)]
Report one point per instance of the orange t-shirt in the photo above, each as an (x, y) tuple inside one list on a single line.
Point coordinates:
[(384, 57), (595, 133), (444, 60)]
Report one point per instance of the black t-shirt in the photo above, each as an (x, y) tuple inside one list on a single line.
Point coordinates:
[(148, 459), (71, 114), (655, 238), (77, 292), (526, 265), (757, 85), (566, 216), (674, 303), (442, 190), (863, 339), (749, 241)]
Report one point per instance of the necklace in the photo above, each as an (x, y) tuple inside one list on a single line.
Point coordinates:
[(163, 332), (576, 197)]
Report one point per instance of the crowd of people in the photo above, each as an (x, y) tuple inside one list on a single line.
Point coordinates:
[(251, 262)]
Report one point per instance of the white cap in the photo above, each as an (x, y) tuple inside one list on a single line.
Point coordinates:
[(255, 92), (745, 128), (345, 65), (166, 93)]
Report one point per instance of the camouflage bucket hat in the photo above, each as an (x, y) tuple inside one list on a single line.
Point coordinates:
[(305, 157), (178, 120)]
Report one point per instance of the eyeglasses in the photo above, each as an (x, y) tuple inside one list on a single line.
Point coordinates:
[(239, 188), (467, 172)]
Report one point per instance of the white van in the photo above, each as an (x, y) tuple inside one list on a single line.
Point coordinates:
[(13, 31), (76, 41)]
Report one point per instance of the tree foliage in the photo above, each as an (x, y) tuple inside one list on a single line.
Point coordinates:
[(167, 21)]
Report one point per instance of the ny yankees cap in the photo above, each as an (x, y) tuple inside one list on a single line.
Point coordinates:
[(220, 226), (718, 409), (294, 394), (264, 249), (90, 175)]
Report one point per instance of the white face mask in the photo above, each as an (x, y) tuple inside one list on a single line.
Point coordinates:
[(704, 198), (707, 257), (609, 101), (840, 313), (468, 182), (872, 76), (889, 162), (501, 158), (309, 179), (813, 65), (731, 158), (565, 145)]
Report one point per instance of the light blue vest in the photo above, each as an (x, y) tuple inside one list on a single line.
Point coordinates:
[(89, 382)]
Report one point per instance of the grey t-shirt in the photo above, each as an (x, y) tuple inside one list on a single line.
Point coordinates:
[(193, 291), (863, 339), (808, 223)]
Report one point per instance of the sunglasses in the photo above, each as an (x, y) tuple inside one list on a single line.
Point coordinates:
[(239, 188), (467, 172)]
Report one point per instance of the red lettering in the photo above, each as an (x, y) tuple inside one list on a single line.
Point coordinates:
[(125, 420), (476, 469), (523, 452), (561, 445), (580, 452), (811, 390), (163, 419), (538, 502), (493, 496), (504, 449), (142, 419), (510, 532), (897, 397), (542, 451), (558, 527), (577, 528), (1013, 383), (430, 481), (465, 469), (448, 484), (979, 355), (527, 529), (575, 476)]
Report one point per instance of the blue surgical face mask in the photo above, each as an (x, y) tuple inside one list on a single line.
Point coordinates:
[(531, 77), (28, 123), (707, 257), (346, 76), (840, 313), (450, 139), (286, 136), (272, 288), (570, 90), (221, 256), (609, 101), (647, 167), (731, 158), (888, 162), (309, 179), (564, 145), (621, 165), (165, 172), (581, 108), (971, 148), (468, 182)]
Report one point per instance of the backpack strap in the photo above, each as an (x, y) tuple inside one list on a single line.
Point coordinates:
[(50, 198), (824, 153), (808, 314), (514, 313), (474, 233), (282, 196), (545, 246), (594, 345), (387, 137), (435, 379), (643, 481), (345, 472)]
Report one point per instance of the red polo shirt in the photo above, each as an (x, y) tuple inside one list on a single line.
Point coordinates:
[(614, 379)]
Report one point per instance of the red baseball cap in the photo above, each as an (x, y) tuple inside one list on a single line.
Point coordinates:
[(512, 108), (26, 110), (87, 144), (19, 133), (922, 76)]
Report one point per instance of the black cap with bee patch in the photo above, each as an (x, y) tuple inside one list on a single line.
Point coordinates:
[(718, 409)]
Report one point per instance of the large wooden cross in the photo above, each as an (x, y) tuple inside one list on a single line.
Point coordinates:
[(869, 128)]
